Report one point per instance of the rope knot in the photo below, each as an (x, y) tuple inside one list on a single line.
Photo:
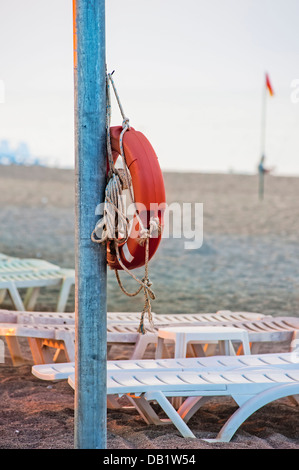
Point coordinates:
[(147, 282), (153, 231), (126, 123), (125, 178), (155, 226)]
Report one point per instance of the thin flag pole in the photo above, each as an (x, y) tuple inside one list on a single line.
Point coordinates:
[(267, 88), (264, 116), (263, 141), (90, 258)]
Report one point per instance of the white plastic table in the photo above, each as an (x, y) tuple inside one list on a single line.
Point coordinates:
[(182, 335)]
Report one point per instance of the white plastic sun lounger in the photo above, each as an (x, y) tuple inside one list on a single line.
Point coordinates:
[(287, 360), (64, 318), (61, 337), (42, 336), (119, 330), (42, 339), (219, 316), (251, 390), (42, 328), (32, 274), (119, 318), (186, 318), (252, 381)]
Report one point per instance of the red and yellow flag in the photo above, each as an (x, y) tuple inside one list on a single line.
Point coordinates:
[(269, 86)]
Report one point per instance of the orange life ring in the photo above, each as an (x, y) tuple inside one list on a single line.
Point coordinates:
[(149, 195)]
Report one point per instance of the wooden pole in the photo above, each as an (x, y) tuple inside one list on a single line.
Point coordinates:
[(90, 258)]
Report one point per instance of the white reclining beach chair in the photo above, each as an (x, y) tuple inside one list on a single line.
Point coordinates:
[(42, 318), (286, 360), (32, 274), (251, 390), (252, 381), (119, 318), (122, 328), (61, 335), (219, 316)]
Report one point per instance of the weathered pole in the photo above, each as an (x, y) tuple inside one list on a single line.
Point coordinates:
[(90, 258)]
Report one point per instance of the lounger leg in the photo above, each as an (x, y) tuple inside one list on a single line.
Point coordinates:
[(69, 347), (14, 350), (15, 297), (145, 410), (2, 295), (252, 405), (64, 294), (60, 356), (109, 347), (197, 349), (190, 406), (210, 349), (159, 348), (171, 413), (40, 354), (140, 347), (31, 298), (180, 346), (294, 399), (226, 348), (112, 403)]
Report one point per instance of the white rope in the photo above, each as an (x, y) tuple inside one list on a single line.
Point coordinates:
[(154, 229), (114, 214), (125, 176)]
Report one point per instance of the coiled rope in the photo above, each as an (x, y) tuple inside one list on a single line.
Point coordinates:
[(114, 212)]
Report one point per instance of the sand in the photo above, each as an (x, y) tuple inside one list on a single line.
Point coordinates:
[(248, 261)]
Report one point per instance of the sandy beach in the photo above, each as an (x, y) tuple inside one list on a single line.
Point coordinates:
[(248, 262)]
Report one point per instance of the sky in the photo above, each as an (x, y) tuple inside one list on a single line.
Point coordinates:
[(190, 75)]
